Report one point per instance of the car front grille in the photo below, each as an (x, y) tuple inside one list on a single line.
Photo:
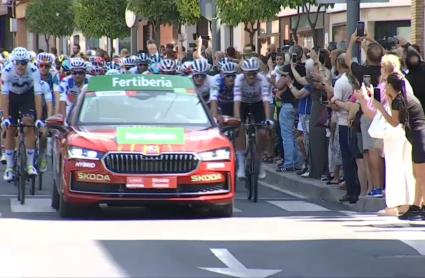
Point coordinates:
[(137, 163), (121, 191)]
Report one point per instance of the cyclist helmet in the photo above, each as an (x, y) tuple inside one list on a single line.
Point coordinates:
[(20, 53), (228, 67), (168, 65), (224, 60), (200, 66), (251, 64), (144, 59), (32, 55), (156, 58), (78, 63), (44, 58), (98, 70), (112, 72), (130, 61), (186, 68), (66, 65)]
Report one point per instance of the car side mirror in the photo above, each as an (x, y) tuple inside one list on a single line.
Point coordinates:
[(56, 122)]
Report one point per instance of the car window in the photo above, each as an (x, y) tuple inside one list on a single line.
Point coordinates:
[(142, 108)]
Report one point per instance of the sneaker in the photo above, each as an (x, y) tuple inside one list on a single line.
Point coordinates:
[(3, 159), (371, 193), (31, 171), (285, 169), (43, 165), (240, 173), (377, 193), (262, 173), (413, 213), (306, 174), (9, 174), (302, 171)]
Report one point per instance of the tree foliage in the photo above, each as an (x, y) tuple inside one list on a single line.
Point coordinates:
[(189, 11), (248, 12), (50, 17), (97, 18), (157, 12)]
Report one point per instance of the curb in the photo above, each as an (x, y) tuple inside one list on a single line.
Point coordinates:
[(316, 190)]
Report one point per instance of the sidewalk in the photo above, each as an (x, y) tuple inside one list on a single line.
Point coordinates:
[(316, 190)]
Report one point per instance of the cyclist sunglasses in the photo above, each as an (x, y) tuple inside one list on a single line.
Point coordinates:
[(200, 76), (80, 72), (21, 62), (230, 75), (44, 66)]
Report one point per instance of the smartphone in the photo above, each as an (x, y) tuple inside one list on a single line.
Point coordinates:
[(360, 29), (195, 36), (377, 94), (367, 80), (207, 38), (192, 45), (294, 58)]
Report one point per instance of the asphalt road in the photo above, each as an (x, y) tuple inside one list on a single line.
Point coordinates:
[(280, 236)]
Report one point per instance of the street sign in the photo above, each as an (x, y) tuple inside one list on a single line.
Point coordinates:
[(130, 18), (345, 1)]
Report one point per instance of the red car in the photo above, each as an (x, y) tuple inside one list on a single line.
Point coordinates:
[(137, 140)]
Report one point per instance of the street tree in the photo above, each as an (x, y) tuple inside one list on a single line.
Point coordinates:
[(161, 12), (312, 10), (97, 18), (248, 12), (50, 18)]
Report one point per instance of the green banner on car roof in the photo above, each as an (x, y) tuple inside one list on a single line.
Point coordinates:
[(150, 135), (130, 82)]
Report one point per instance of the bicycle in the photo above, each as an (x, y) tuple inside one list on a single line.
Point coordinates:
[(20, 158), (252, 164)]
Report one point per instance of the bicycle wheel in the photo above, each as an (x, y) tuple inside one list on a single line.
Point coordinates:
[(254, 173), (40, 181), (23, 174), (32, 188), (248, 175)]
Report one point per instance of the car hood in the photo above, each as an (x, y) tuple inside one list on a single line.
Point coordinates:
[(105, 138)]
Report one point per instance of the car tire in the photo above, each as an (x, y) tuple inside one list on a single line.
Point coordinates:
[(66, 210), (55, 196), (222, 210)]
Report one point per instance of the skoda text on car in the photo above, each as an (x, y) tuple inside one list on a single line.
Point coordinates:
[(141, 139)]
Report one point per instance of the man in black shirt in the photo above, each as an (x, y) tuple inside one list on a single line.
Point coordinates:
[(416, 74), (374, 53), (288, 114)]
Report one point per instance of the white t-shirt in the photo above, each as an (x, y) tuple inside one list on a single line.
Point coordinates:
[(246, 93), (342, 91)]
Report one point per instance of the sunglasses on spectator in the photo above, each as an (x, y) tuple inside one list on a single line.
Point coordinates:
[(44, 66), (199, 76), (21, 62), (80, 72), (231, 75)]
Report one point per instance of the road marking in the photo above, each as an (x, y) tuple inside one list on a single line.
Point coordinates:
[(35, 196), (31, 205), (297, 206), (299, 196), (235, 268), (237, 210)]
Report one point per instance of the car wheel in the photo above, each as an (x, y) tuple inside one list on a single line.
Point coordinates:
[(222, 210), (66, 210), (55, 196)]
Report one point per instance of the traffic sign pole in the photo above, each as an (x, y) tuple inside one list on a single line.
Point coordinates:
[(353, 16)]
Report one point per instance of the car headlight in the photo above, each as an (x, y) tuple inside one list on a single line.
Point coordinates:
[(215, 155), (80, 153)]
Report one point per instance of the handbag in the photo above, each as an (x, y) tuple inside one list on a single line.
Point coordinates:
[(323, 120), (380, 128)]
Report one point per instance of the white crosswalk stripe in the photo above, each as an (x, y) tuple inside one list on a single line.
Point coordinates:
[(295, 206)]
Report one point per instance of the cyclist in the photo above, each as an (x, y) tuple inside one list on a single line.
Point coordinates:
[(65, 69), (168, 66), (201, 79), (142, 64), (21, 93), (128, 63), (185, 68), (251, 95), (71, 86), (221, 97)]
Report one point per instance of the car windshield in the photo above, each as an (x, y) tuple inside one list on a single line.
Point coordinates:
[(142, 108)]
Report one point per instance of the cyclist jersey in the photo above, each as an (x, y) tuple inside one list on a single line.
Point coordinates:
[(244, 92), (220, 92), (46, 91), (53, 79), (69, 89), (135, 70), (204, 90), (20, 84)]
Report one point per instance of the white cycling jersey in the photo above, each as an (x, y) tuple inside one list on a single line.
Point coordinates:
[(20, 84), (69, 89), (46, 91), (246, 93), (135, 70), (204, 90)]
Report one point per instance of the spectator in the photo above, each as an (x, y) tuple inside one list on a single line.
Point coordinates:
[(287, 115), (124, 53), (76, 50), (231, 52), (342, 91), (372, 148), (416, 74)]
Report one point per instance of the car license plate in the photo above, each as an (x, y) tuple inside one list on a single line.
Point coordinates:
[(151, 182)]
